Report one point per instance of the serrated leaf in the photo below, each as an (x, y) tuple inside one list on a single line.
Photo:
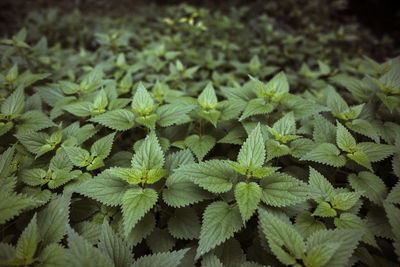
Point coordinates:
[(276, 149), (13, 204), (80, 109), (363, 127), (324, 209), (172, 114), (200, 146), (281, 234), (28, 241), (372, 186), (306, 224), (208, 99), (213, 175), (149, 155), (277, 85), (344, 201), (114, 246), (33, 141), (394, 195), (78, 156), (319, 182), (184, 224), (160, 241), (82, 253), (344, 139), (102, 147), (14, 104), (52, 220), (33, 120), (377, 152), (220, 222), (210, 115), (181, 191), (142, 101), (348, 238), (280, 190), (319, 255), (324, 131), (119, 119), (247, 195), (211, 260), (166, 259), (393, 214), (105, 187), (141, 230), (252, 152), (178, 159), (361, 158), (136, 202), (256, 106), (54, 255), (230, 253), (335, 102), (326, 153)]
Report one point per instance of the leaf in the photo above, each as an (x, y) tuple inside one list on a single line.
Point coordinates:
[(286, 125), (324, 209), (276, 149), (142, 101), (344, 201), (119, 119), (136, 202), (335, 102), (184, 224), (363, 127), (12, 205), (14, 104), (54, 255), (172, 114), (348, 240), (102, 147), (252, 152), (220, 222), (211, 260), (78, 156), (319, 182), (33, 141), (371, 186), (277, 85), (28, 241), (200, 146), (82, 253), (210, 115), (80, 109), (208, 99), (52, 220), (393, 214), (361, 158), (141, 230), (394, 195), (247, 195), (166, 259), (114, 246), (281, 234), (256, 106), (105, 188), (149, 154), (324, 131), (319, 255), (181, 192), (213, 175), (377, 152), (5, 161), (306, 224), (175, 160), (160, 241), (344, 139), (280, 190), (33, 120), (326, 153)]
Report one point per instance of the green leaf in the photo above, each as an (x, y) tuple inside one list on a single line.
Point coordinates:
[(211, 260), (247, 195), (361, 158), (324, 131), (281, 234), (335, 102), (33, 120), (54, 255), (5, 161), (52, 220), (142, 102), (319, 182), (114, 246), (344, 139), (306, 224), (213, 175), (324, 209), (12, 205), (276, 149), (148, 120), (278, 85), (166, 259), (394, 195), (160, 241), (344, 201), (33, 141), (33, 177), (119, 119), (141, 230), (210, 115), (80, 109), (319, 255), (181, 191), (220, 222), (393, 214), (172, 114), (28, 241), (252, 152), (326, 153), (149, 154), (286, 125), (208, 99), (102, 147), (14, 104), (175, 160), (136, 202), (184, 224), (281, 190), (256, 106), (377, 152), (78, 156), (372, 186), (82, 253), (363, 127), (200, 146), (105, 188), (348, 240)]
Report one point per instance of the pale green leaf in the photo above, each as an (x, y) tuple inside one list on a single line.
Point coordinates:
[(78, 156), (28, 241), (326, 153), (149, 154), (172, 114), (361, 158), (247, 195), (319, 182), (102, 147), (208, 99), (324, 131), (119, 119), (136, 202), (220, 222), (211, 260), (321, 254), (12, 205), (372, 186), (324, 209), (54, 255), (14, 104), (377, 152), (200, 146), (344, 201), (252, 153), (344, 139), (256, 106), (33, 120)]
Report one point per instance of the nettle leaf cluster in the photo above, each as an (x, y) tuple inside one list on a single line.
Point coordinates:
[(183, 139)]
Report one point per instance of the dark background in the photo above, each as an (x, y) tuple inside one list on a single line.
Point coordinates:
[(380, 16)]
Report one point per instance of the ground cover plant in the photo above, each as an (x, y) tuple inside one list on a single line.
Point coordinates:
[(185, 136)]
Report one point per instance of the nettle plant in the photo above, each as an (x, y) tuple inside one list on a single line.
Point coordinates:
[(144, 152)]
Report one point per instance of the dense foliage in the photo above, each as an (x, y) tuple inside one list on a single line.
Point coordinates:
[(182, 136)]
